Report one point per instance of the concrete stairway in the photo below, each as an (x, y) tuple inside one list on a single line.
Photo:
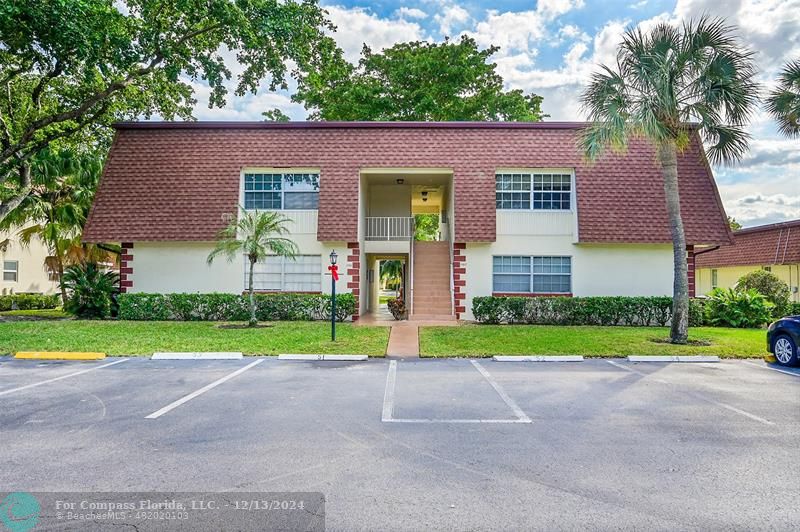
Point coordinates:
[(432, 281)]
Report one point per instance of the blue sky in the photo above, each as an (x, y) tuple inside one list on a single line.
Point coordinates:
[(550, 47)]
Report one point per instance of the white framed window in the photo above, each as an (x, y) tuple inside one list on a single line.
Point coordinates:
[(282, 274), (531, 274), (538, 191), (281, 190), (11, 270), (714, 278)]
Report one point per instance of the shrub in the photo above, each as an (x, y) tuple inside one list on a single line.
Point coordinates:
[(29, 302), (90, 291), (397, 307), (489, 309), (737, 308), (611, 310), (233, 307), (770, 286), (794, 309)]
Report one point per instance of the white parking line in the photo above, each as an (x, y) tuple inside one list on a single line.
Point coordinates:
[(201, 391), (523, 418), (770, 368), (387, 415), (696, 395), (388, 394), (48, 381)]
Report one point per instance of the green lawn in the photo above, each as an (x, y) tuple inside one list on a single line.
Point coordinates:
[(143, 338), (488, 340)]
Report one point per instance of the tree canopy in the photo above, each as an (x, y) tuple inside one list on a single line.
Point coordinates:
[(414, 81), (70, 67)]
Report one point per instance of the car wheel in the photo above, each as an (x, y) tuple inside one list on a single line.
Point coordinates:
[(785, 350)]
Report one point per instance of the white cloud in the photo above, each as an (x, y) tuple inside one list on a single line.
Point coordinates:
[(357, 26), (410, 12), (452, 16)]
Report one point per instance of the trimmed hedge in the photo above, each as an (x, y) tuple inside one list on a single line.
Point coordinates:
[(29, 302), (612, 310), (233, 307)]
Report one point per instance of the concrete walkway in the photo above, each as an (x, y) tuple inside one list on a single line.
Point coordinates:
[(404, 336)]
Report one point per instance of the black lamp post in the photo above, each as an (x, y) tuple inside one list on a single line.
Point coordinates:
[(334, 276)]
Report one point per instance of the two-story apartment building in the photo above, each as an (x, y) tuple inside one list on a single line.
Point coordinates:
[(521, 210)]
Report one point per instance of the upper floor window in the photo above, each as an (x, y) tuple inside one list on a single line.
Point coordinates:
[(10, 271), (533, 191), (276, 191)]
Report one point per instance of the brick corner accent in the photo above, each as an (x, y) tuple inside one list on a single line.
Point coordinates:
[(459, 278), (125, 267), (690, 270), (354, 271)]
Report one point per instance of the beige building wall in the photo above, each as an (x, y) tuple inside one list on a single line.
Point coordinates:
[(728, 276), (32, 277)]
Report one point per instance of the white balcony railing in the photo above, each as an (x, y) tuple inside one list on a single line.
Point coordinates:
[(389, 228)]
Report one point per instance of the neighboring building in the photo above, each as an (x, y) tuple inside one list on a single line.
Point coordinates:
[(522, 211), (774, 247), (23, 267)]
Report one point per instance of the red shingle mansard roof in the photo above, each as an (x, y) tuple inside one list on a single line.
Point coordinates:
[(761, 246), (175, 181)]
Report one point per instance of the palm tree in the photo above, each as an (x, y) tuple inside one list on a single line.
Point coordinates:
[(64, 183), (783, 103), (663, 81), (255, 234)]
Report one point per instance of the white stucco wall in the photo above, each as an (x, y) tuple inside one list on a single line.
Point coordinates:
[(32, 275), (164, 267), (597, 270)]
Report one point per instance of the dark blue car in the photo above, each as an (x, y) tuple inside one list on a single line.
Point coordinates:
[(783, 337)]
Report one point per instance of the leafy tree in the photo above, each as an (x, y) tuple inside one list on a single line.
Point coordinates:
[(275, 115), (426, 226), (68, 68), (91, 290), (255, 234), (783, 103), (56, 208), (663, 80), (733, 224), (415, 81), (392, 272), (770, 286)]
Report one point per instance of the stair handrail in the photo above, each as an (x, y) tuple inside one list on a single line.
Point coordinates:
[(452, 282), (410, 287)]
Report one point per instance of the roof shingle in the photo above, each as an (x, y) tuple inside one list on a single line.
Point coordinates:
[(757, 246), (177, 181)]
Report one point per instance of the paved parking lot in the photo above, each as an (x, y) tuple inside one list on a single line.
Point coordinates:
[(411, 445)]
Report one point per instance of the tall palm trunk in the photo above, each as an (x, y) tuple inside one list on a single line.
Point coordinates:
[(60, 272), (253, 320), (679, 331)]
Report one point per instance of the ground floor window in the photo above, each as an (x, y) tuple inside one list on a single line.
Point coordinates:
[(10, 270), (714, 278), (281, 274), (532, 274)]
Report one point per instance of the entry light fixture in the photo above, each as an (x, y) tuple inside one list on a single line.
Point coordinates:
[(400, 181), (334, 256), (424, 195)]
